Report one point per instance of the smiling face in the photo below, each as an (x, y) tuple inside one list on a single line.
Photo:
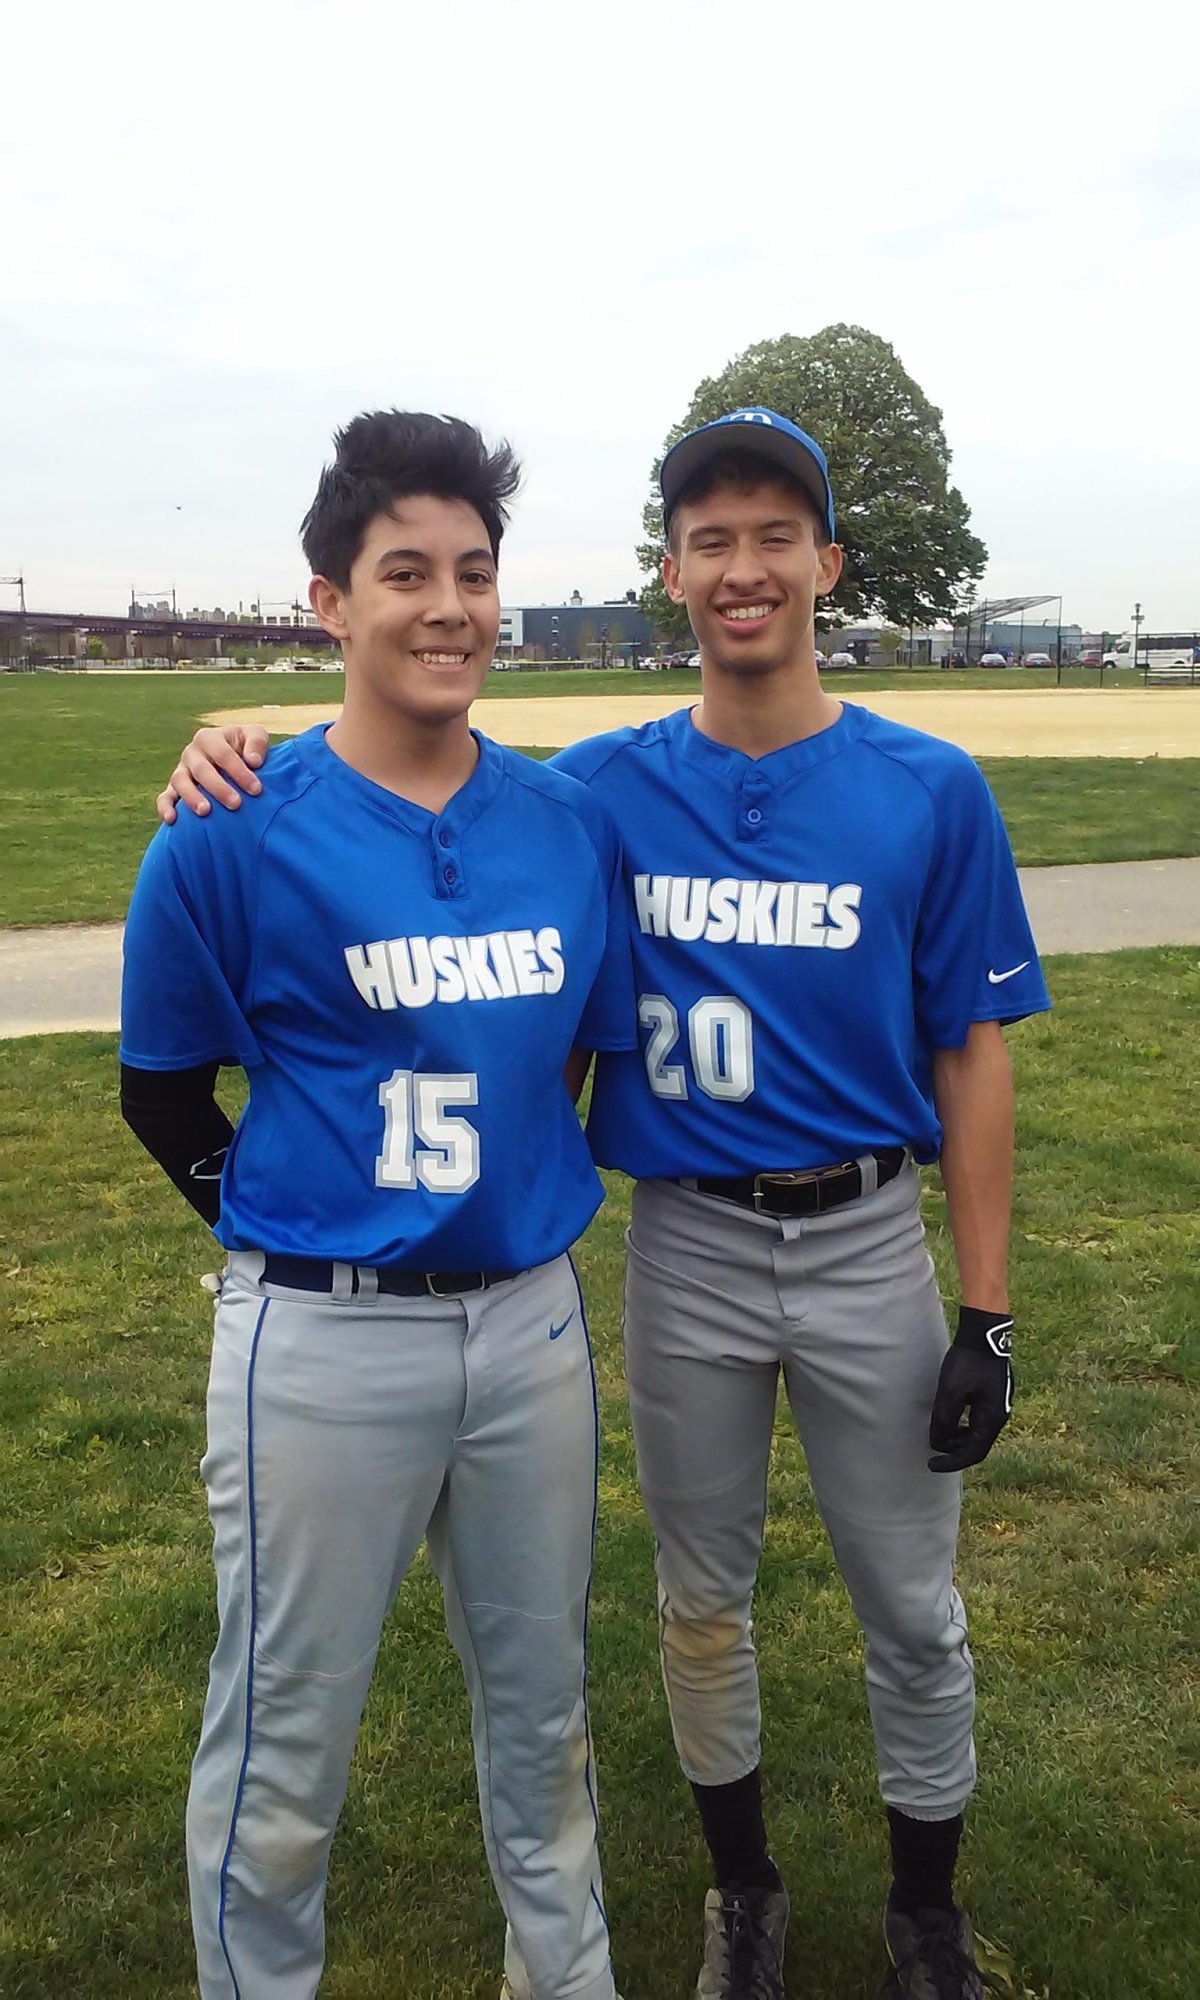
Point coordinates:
[(419, 620), (748, 564)]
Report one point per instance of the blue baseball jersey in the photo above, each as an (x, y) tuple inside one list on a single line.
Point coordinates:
[(808, 928), (403, 989)]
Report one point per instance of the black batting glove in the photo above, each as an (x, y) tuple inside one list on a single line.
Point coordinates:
[(976, 1383)]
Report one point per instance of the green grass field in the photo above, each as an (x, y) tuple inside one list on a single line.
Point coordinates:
[(1078, 1565), (86, 754)]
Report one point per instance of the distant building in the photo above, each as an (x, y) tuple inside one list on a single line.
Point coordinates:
[(1042, 637), (924, 646), (574, 631)]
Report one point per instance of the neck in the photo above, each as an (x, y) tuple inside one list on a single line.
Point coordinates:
[(758, 713), (425, 762)]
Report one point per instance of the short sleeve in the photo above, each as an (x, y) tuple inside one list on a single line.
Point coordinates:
[(609, 1018), (187, 957), (974, 958)]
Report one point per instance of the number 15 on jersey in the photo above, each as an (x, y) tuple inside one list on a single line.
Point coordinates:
[(423, 1145)]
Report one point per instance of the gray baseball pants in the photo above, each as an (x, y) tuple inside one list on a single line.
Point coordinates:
[(718, 1301), (340, 1432)]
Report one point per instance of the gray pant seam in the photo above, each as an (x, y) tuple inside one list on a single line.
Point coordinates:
[(501, 1891), (314, 1673)]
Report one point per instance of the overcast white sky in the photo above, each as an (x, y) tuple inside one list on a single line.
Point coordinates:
[(225, 229)]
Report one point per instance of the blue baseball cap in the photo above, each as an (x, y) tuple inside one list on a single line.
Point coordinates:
[(765, 434)]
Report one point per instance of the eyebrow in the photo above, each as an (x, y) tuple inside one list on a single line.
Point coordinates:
[(422, 556), (761, 527)]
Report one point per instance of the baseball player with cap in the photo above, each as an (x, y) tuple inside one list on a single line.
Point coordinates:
[(828, 939), (404, 942)]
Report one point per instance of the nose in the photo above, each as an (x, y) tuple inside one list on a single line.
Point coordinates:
[(445, 607), (744, 567)]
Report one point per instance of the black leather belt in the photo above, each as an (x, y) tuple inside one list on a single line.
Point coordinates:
[(315, 1274), (809, 1192)]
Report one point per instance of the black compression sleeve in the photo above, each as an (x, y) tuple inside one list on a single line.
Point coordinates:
[(181, 1125)]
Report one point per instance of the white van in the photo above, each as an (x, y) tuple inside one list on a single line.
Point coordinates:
[(1155, 652)]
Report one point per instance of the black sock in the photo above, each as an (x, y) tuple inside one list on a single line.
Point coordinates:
[(924, 1852), (732, 1820)]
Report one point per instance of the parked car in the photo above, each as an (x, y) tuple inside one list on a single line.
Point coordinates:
[(842, 660), (1037, 660), (1089, 659), (993, 660)]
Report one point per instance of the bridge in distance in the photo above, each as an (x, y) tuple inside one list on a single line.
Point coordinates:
[(64, 635)]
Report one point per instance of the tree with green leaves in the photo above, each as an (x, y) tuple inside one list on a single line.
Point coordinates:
[(910, 555)]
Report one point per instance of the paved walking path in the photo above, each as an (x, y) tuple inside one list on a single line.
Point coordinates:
[(69, 977)]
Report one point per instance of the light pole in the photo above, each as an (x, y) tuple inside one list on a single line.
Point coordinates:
[(22, 636), (1137, 628)]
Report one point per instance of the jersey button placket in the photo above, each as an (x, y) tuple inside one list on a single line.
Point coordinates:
[(752, 812), (447, 863)]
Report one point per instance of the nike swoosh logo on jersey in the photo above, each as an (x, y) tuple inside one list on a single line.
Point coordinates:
[(998, 978), (556, 1330)]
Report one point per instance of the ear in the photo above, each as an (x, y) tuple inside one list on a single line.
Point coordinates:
[(326, 601), (672, 578), (829, 568)]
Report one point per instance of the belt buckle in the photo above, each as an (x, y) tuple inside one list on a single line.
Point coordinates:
[(803, 1177), (785, 1179), (434, 1293)]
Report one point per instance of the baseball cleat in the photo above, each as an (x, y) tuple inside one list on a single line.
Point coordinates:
[(743, 1944), (933, 1956)]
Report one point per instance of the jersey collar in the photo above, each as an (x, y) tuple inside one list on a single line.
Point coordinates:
[(460, 812), (778, 767)]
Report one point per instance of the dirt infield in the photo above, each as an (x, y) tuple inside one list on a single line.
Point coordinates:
[(1029, 722)]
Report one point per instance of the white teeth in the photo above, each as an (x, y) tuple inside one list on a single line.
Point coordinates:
[(746, 611)]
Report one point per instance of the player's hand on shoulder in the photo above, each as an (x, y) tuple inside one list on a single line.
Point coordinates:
[(217, 764), (974, 1391)]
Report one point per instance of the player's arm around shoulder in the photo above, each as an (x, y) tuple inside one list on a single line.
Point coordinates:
[(218, 764)]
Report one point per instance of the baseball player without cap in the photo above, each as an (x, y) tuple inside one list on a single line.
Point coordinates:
[(331, 915), (762, 433)]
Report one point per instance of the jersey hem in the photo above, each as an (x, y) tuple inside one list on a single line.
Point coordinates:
[(957, 1040), (179, 1062)]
